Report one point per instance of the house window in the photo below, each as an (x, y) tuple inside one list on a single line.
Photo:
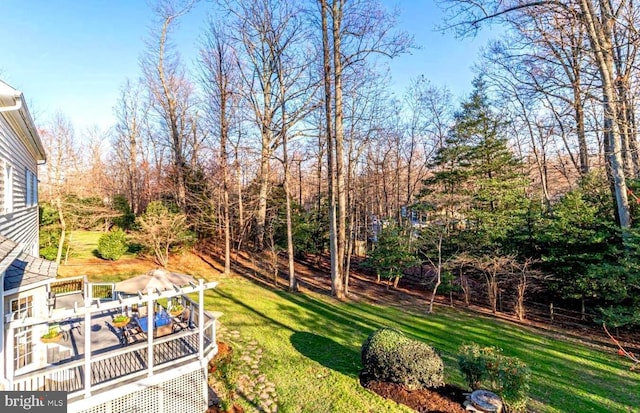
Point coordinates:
[(22, 307), (34, 189), (27, 189), (22, 347), (8, 188), (31, 189)]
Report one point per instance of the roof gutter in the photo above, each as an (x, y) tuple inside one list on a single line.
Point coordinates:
[(17, 97), (24, 117)]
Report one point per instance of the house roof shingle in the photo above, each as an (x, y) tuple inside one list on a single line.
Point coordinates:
[(22, 269), (27, 269), (9, 251)]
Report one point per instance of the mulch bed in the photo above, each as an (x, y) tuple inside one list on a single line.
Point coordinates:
[(225, 352), (223, 356), (446, 399)]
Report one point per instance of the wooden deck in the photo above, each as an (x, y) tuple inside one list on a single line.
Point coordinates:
[(116, 357), (113, 367), (94, 356)]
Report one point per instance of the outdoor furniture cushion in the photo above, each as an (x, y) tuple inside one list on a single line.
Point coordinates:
[(161, 319)]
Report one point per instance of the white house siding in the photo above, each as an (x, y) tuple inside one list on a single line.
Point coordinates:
[(20, 225)]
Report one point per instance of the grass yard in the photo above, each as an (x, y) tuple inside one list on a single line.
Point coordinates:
[(84, 244), (310, 343), (311, 351)]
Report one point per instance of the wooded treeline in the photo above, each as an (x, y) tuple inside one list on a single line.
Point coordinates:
[(284, 137)]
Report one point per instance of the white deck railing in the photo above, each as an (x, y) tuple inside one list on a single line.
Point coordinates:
[(110, 368), (94, 370), (71, 285)]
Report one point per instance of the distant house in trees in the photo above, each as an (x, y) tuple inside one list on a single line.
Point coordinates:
[(63, 334)]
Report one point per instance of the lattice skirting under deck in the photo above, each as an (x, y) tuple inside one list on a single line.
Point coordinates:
[(182, 394)]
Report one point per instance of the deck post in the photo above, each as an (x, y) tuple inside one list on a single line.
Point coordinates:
[(214, 331), (3, 372), (87, 347), (9, 354), (201, 319), (150, 319)]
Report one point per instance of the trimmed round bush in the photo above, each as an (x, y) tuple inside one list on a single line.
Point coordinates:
[(388, 355), (112, 245)]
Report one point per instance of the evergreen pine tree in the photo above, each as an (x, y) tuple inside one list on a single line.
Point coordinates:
[(478, 182)]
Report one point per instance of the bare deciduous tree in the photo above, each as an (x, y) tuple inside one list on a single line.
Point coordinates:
[(436, 235), (127, 143), (160, 230), (255, 24), (61, 169), (171, 92), (351, 32), (219, 79), (525, 278)]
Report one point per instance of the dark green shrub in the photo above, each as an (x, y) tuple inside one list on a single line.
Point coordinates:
[(112, 245), (388, 355), (394, 253), (488, 368), (128, 218), (49, 231), (49, 253)]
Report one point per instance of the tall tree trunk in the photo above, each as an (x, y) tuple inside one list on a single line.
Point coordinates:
[(632, 133), (629, 143), (582, 139), (263, 194), (341, 223), (224, 160), (398, 179), (133, 175), (438, 269), (336, 280), (239, 190), (171, 116), (63, 231), (600, 38), (293, 284)]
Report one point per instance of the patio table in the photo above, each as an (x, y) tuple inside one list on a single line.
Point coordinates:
[(161, 319)]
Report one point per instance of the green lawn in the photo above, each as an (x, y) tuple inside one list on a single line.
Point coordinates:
[(84, 244), (311, 351)]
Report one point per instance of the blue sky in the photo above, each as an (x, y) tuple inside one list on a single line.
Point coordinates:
[(73, 56)]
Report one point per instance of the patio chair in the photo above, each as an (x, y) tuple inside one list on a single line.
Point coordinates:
[(68, 328), (132, 334), (183, 319), (140, 311)]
